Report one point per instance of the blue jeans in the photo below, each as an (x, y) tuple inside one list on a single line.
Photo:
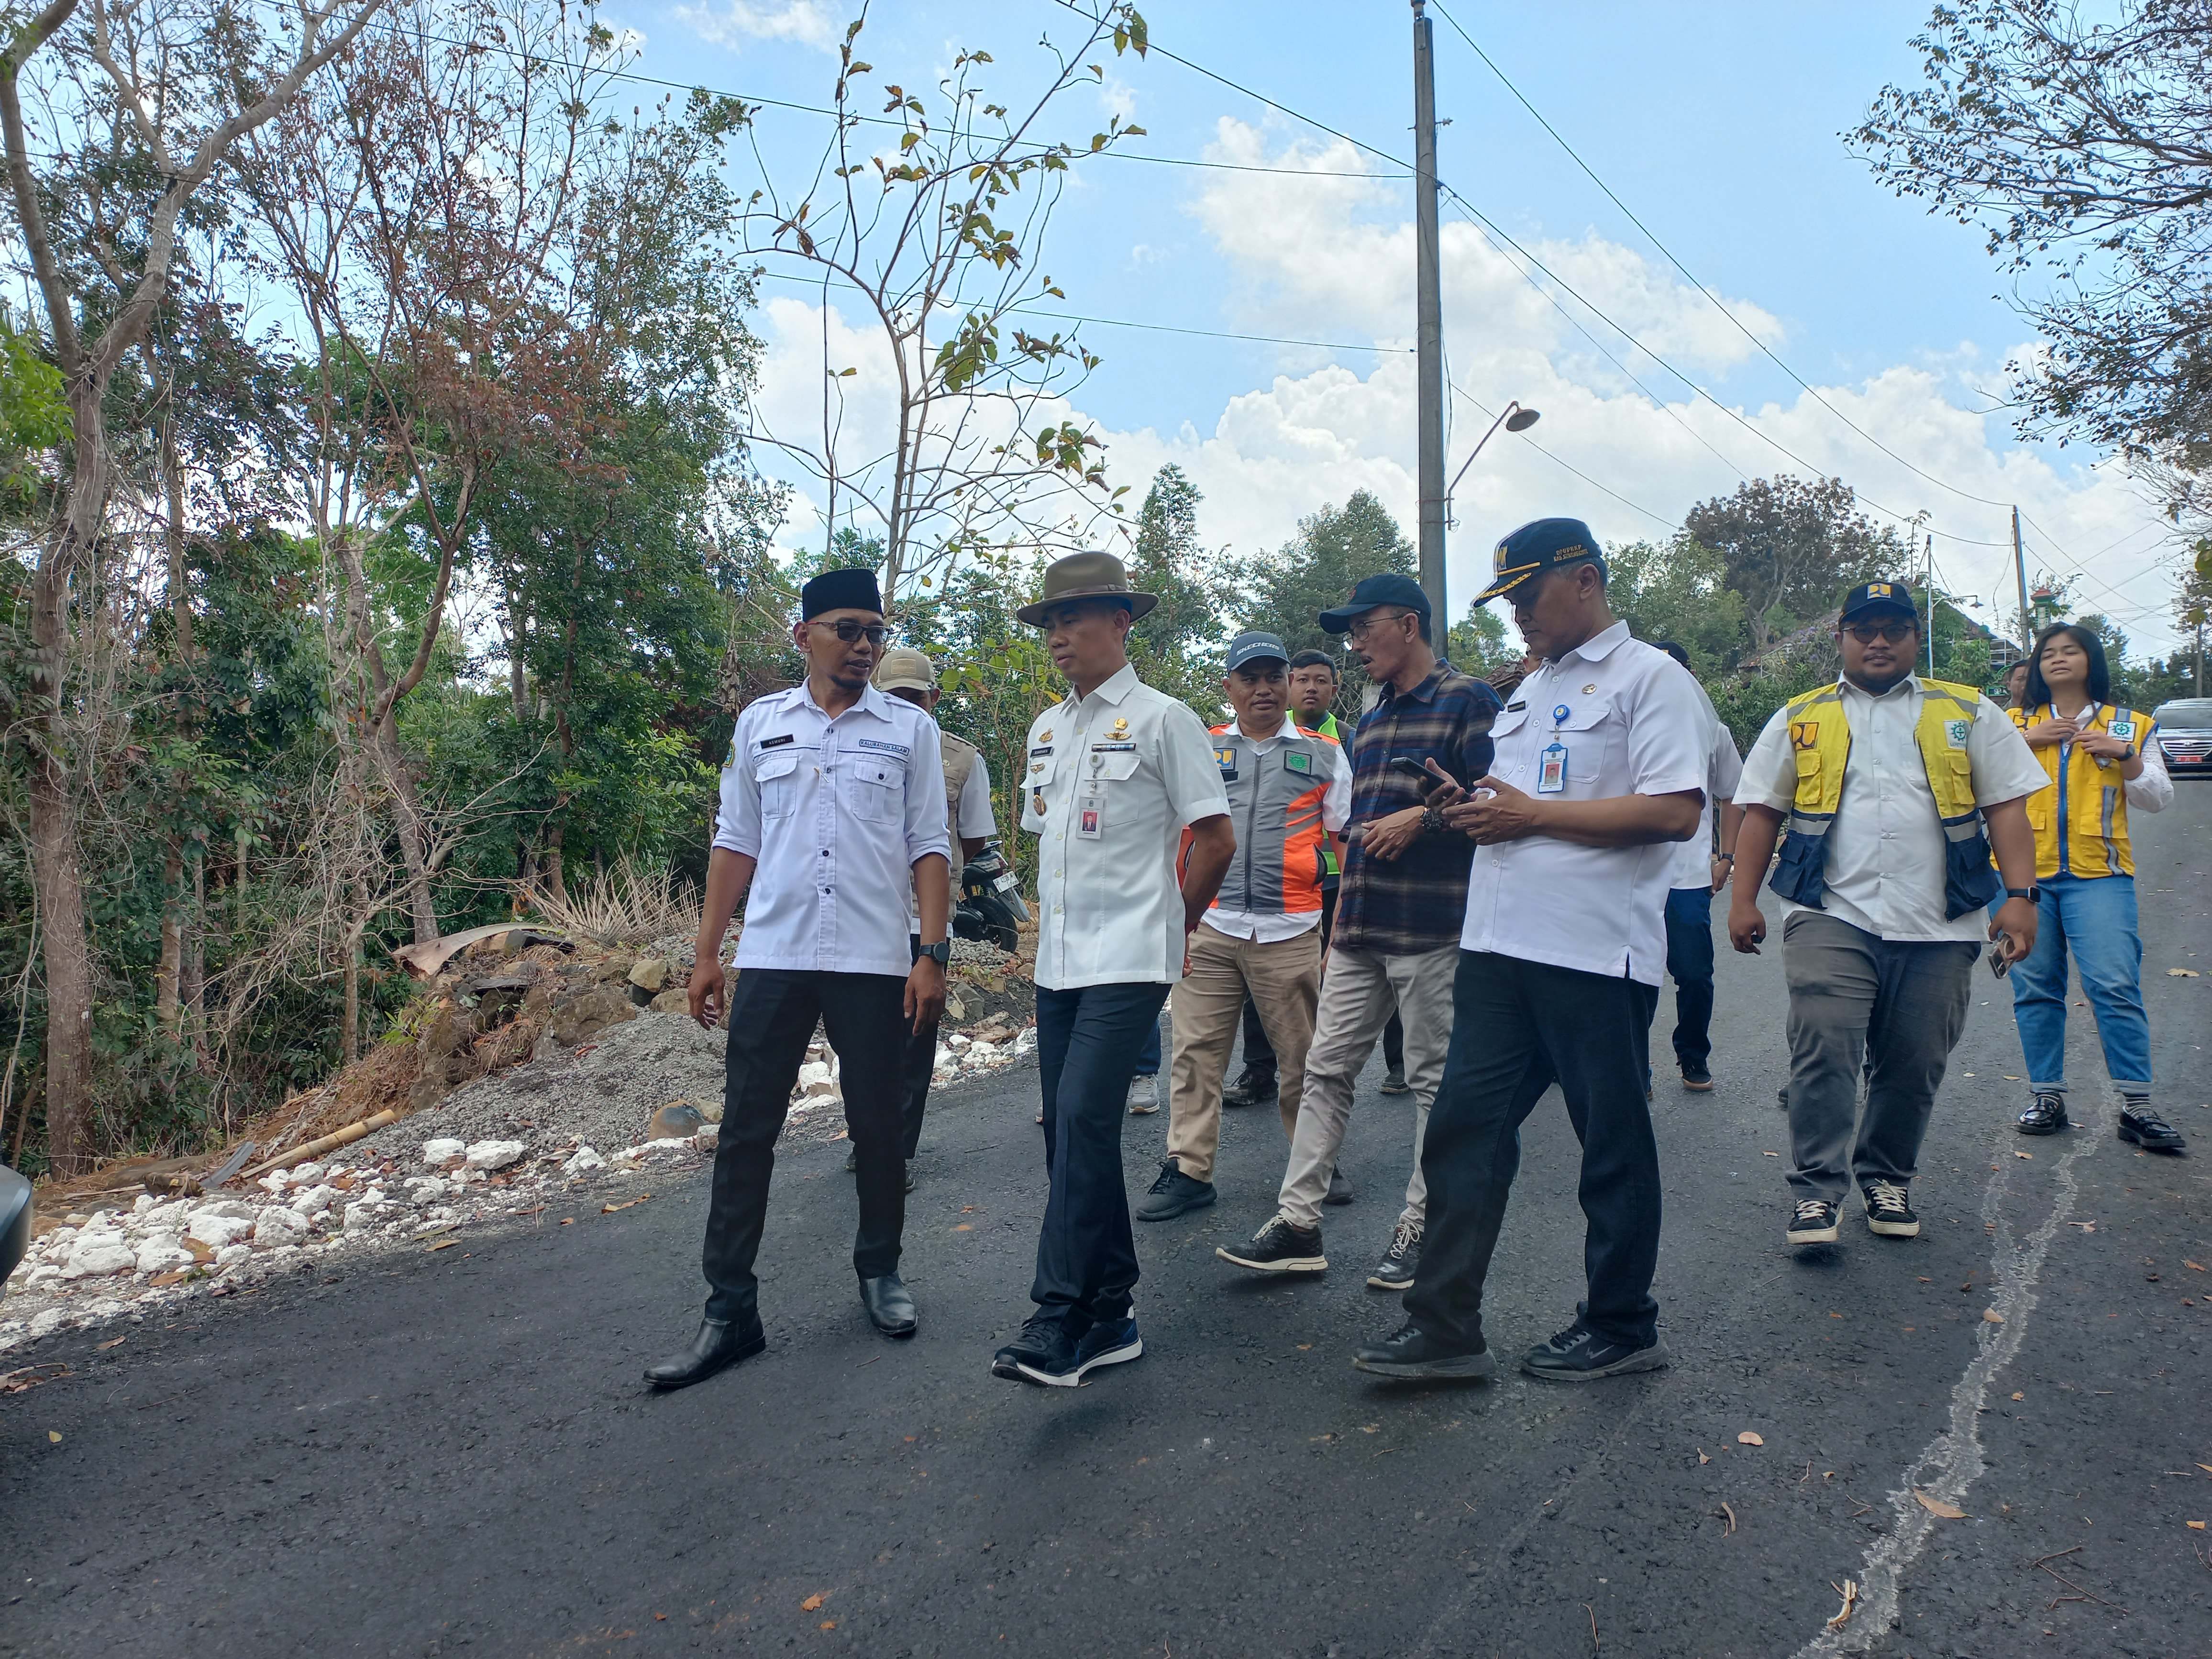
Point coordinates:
[(1690, 961), (2095, 917)]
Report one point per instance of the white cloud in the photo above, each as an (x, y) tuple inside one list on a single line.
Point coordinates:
[(808, 22)]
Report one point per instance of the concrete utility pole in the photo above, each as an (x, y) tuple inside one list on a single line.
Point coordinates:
[(2019, 576), (1429, 326)]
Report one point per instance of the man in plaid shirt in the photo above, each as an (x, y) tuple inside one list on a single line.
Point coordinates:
[(1399, 908)]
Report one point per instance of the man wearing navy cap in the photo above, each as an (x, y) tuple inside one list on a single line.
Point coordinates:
[(1894, 789), (1600, 767), (1403, 886), (832, 815)]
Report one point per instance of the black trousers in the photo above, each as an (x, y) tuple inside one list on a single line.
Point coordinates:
[(1087, 1044), (1517, 1028), (1260, 1054), (915, 1067), (772, 1017)]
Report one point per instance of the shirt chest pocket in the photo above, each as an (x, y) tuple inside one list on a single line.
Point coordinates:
[(875, 790), (776, 772), (1115, 765), (1595, 739)]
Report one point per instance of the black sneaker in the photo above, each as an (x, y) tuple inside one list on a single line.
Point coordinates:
[(2046, 1115), (1173, 1194), (1578, 1354), (1889, 1209), (1395, 1271), (1255, 1088), (1394, 1081), (1278, 1247), (1410, 1352), (1812, 1221), (1697, 1076), (2147, 1130), (1340, 1190), (1043, 1343), (1101, 1345)]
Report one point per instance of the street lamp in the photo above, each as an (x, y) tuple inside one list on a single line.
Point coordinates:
[(1514, 418)]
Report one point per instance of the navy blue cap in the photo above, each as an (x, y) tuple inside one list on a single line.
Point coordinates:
[(1541, 544), (1872, 598), (1256, 648), (1373, 591), (841, 590)]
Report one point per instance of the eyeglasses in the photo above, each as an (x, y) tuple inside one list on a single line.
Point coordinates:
[(1868, 633), (852, 633), (1357, 631)]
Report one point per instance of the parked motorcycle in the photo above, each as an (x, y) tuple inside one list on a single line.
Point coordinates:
[(15, 1221), (990, 905)]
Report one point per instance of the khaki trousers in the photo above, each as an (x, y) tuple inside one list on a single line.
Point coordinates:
[(1284, 980), (1356, 997)]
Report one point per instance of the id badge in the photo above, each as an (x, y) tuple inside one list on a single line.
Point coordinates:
[(1551, 769), (1090, 813)]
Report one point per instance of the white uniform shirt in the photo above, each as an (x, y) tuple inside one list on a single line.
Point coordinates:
[(1693, 864), (1112, 778), (1262, 927), (836, 812), (1632, 725), (1885, 872)]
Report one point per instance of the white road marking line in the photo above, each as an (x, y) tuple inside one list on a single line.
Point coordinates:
[(1952, 1462)]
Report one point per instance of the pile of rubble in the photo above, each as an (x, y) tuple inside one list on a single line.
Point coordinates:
[(605, 1088)]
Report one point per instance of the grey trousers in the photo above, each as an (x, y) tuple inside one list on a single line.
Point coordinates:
[(1857, 1000)]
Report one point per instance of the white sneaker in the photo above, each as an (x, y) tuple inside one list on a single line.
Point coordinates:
[(1144, 1095)]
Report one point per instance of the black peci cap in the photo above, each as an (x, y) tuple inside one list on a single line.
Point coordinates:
[(841, 590), (1372, 591), (1541, 544)]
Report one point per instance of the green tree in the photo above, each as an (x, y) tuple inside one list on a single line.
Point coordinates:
[(1177, 647), (1318, 568), (1789, 550), (1678, 589), (1478, 646)]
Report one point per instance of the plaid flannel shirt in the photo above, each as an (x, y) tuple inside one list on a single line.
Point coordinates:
[(1417, 901)]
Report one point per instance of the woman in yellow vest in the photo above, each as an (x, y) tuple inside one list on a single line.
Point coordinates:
[(2102, 763)]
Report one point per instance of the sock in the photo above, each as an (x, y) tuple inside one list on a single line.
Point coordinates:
[(2136, 1102)]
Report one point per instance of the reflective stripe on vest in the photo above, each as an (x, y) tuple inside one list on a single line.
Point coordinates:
[(2081, 821), (1820, 742), (1275, 806)]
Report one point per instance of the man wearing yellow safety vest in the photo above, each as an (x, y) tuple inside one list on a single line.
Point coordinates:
[(2102, 763), (1895, 790)]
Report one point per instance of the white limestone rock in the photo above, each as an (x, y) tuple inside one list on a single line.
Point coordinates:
[(439, 1151), (495, 1154), (279, 1226), (215, 1231), (583, 1161)]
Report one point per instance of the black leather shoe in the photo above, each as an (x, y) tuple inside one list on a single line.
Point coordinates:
[(719, 1345), (1340, 1190), (2046, 1115), (1411, 1351), (2147, 1130), (890, 1304), (1254, 1088)]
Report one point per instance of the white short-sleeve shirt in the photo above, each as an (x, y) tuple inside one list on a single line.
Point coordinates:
[(1632, 724), (1110, 781), (1885, 872), (1694, 865), (1335, 807), (837, 813)]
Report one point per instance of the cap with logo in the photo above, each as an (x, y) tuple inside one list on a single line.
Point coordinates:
[(1541, 544), (1879, 599), (905, 670), (1372, 592), (1256, 647)]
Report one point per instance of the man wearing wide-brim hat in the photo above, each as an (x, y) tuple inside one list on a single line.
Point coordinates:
[(1112, 777)]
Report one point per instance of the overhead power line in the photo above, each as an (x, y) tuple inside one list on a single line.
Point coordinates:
[(1656, 518)]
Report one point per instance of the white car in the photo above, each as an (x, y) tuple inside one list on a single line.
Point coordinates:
[(2185, 736)]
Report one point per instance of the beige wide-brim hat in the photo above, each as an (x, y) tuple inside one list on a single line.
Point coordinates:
[(1087, 576), (905, 670)]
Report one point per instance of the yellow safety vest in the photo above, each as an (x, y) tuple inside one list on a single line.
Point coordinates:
[(1821, 739), (2081, 821)]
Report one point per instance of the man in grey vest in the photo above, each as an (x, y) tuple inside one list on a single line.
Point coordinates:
[(910, 676), (1289, 792)]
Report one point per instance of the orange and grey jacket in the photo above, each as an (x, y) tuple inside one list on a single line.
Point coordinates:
[(1275, 807)]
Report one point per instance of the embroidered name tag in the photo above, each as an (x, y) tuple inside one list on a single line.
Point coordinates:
[(1042, 749), (778, 742), (898, 749), (1113, 748), (1516, 707)]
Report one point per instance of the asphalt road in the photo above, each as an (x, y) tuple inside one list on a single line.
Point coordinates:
[(454, 1451)]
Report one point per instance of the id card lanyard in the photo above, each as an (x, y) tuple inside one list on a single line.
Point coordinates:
[(1090, 805), (1551, 763)]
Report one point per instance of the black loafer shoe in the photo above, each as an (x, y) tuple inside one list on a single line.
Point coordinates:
[(2046, 1115), (1411, 1351), (2151, 1133), (719, 1345), (890, 1304), (1578, 1354)]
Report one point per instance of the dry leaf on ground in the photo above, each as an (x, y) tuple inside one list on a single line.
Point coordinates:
[(1991, 1316), (1937, 1506), (1849, 1590), (1747, 1439), (2181, 973), (813, 1603)]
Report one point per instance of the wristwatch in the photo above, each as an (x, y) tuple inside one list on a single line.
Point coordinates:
[(940, 953), (2034, 895), (1433, 821), (1725, 858)]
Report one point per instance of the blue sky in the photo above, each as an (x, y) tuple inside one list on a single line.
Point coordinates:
[(1718, 124)]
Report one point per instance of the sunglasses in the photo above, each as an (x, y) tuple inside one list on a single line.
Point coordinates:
[(852, 633), (1868, 633)]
